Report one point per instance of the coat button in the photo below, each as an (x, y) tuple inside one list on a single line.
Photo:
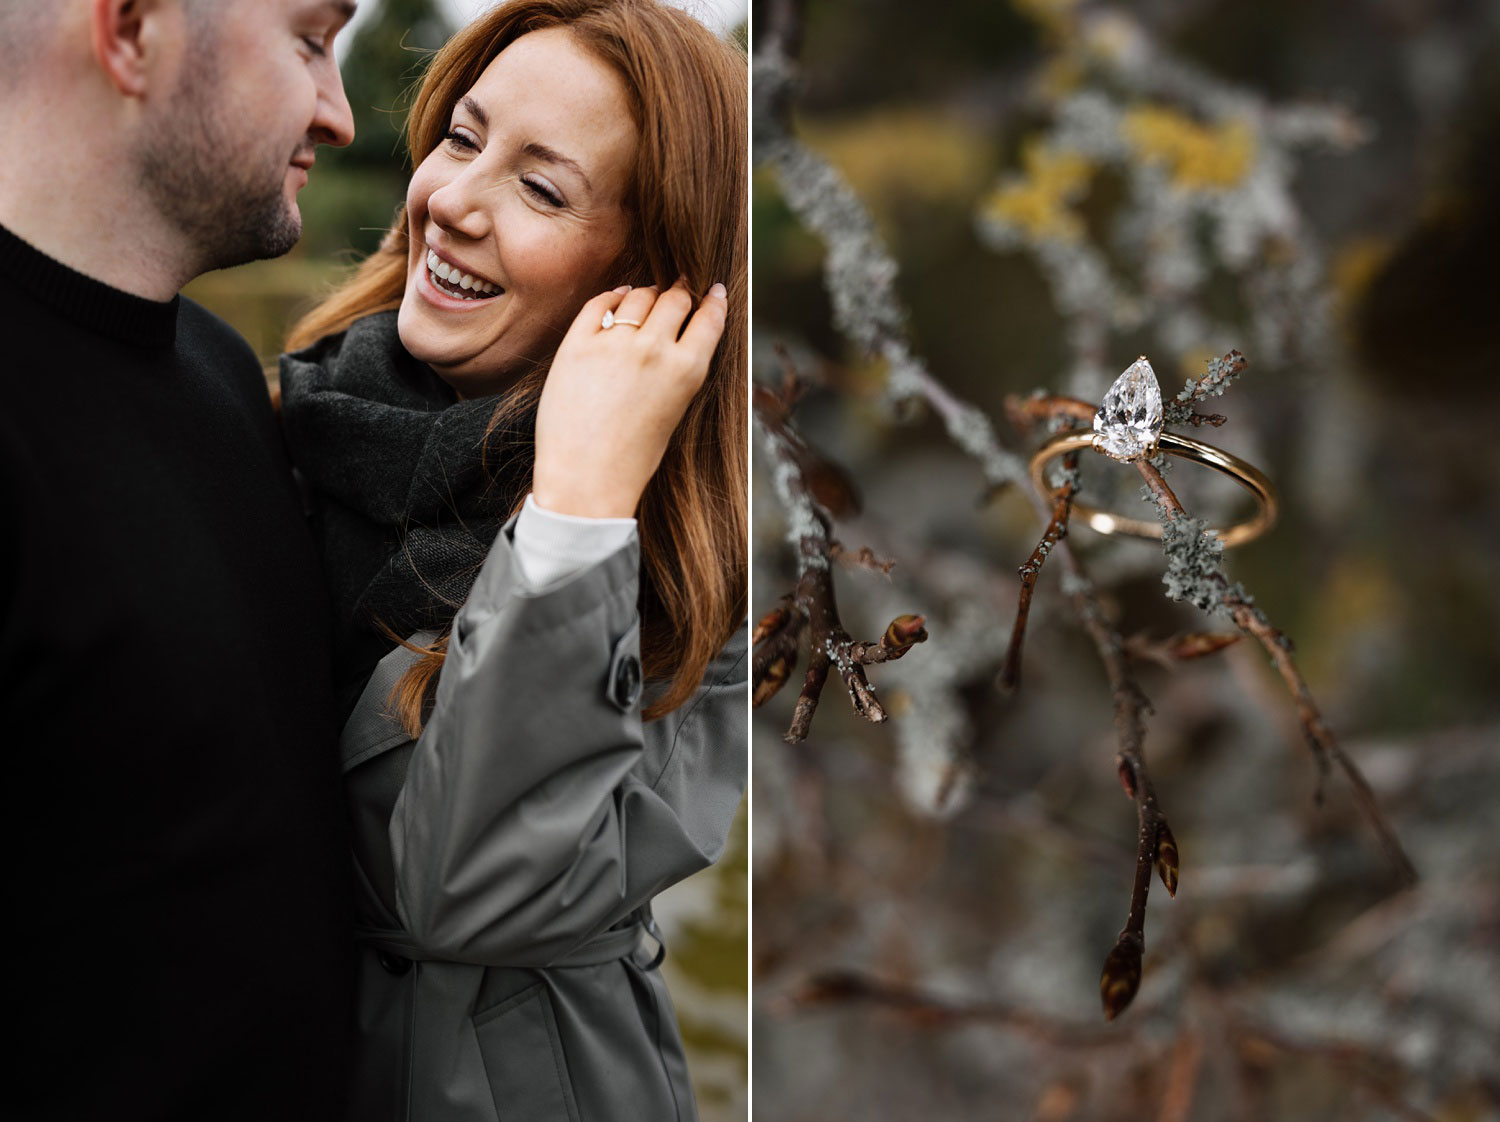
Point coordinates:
[(627, 681), (393, 963)]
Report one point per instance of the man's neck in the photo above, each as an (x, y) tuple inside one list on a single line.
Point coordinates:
[(50, 197)]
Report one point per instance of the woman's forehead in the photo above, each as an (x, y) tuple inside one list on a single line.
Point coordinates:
[(547, 88)]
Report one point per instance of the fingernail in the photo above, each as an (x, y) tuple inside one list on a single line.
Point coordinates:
[(622, 290), (720, 291)]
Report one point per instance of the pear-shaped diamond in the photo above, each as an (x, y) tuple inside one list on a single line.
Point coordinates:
[(1128, 424), (609, 319)]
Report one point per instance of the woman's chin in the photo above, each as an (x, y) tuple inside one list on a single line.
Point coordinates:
[(416, 336)]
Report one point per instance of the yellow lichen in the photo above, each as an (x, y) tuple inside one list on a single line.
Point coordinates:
[(1039, 201), (1198, 157), (1354, 268), (897, 155), (1057, 17), (1359, 596), (1192, 363), (1061, 75), (1113, 36)]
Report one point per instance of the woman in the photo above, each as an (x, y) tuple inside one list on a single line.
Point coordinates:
[(527, 508)]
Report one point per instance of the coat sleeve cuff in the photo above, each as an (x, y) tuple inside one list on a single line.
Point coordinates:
[(550, 547), (610, 584)]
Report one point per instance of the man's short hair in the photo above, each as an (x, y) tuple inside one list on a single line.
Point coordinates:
[(24, 26)]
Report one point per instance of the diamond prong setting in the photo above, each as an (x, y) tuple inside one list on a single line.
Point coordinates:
[(1128, 423)]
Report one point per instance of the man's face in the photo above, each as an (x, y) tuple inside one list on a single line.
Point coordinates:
[(257, 92)]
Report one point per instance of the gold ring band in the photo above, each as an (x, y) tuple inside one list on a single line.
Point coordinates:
[(1105, 523), (609, 320)]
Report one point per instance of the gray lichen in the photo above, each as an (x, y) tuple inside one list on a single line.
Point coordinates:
[(1194, 554), (804, 521)]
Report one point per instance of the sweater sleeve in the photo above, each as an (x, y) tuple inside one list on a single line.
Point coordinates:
[(550, 547), (537, 809)]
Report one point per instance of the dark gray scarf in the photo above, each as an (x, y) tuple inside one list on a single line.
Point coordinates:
[(404, 506)]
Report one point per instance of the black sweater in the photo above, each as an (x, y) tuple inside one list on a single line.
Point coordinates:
[(174, 820)]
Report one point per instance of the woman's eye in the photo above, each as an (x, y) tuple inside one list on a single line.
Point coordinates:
[(316, 46), (460, 139), (540, 190)]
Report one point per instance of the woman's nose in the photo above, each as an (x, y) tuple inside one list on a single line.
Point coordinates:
[(458, 206)]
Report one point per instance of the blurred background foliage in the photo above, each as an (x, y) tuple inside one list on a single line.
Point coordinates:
[(1363, 305), (350, 200)]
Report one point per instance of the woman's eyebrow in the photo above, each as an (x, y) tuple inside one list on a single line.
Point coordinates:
[(475, 110), (552, 156), (340, 10), (540, 151)]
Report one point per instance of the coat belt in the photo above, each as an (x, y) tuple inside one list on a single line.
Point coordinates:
[(607, 946)]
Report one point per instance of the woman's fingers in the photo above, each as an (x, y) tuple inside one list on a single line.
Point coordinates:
[(636, 307), (707, 325), (661, 315), (670, 311), (591, 315)]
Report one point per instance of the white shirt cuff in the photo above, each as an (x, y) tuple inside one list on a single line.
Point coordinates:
[(548, 546)]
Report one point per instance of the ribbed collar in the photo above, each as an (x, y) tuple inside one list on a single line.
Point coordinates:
[(87, 302)]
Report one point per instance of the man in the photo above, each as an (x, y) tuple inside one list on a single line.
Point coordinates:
[(177, 839)]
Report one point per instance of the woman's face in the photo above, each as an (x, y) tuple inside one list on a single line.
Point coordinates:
[(525, 197)]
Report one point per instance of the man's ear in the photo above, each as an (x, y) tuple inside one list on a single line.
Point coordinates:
[(127, 38)]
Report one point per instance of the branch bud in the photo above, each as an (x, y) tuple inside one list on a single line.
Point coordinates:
[(1166, 857), (903, 632), (1127, 775), (776, 675), (1200, 643), (1122, 975), (770, 623)]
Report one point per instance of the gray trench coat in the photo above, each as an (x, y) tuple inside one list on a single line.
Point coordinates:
[(506, 860)]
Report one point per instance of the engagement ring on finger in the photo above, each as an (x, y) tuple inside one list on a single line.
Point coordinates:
[(1127, 428), (610, 319)]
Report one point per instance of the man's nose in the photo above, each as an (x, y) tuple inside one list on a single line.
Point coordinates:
[(333, 123)]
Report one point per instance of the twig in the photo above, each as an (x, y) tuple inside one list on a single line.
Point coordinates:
[(1364, 1068), (1320, 739), (1057, 528), (1236, 603), (862, 558), (813, 605), (840, 987), (1182, 1077)]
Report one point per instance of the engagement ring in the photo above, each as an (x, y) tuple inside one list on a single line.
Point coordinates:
[(1127, 428), (610, 319)]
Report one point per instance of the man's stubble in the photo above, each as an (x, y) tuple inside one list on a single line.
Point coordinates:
[(211, 178)]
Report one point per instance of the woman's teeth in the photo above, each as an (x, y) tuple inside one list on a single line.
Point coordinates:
[(456, 282)]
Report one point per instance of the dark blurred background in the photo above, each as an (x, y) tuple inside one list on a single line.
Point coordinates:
[(1318, 186), (351, 198)]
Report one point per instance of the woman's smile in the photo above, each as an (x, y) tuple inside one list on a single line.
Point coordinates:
[(446, 284)]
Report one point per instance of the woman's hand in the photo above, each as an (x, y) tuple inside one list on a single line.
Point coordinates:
[(614, 395)]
